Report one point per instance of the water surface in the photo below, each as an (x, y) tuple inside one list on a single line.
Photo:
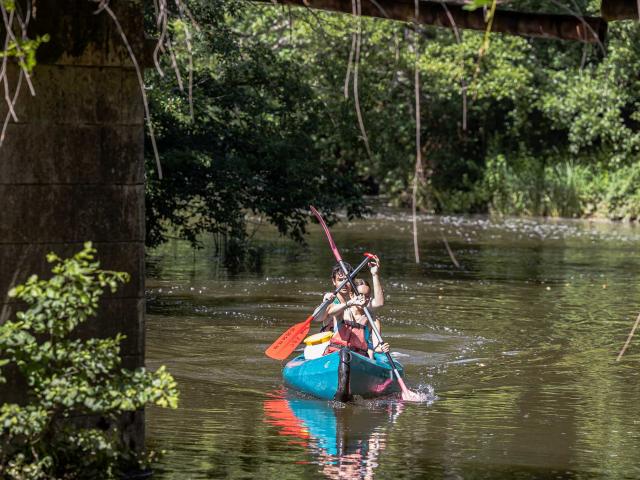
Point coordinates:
[(517, 346)]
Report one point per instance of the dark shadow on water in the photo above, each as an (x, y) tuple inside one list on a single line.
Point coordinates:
[(240, 257)]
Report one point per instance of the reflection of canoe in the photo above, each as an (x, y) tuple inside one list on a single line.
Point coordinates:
[(335, 431), (338, 431), (341, 375)]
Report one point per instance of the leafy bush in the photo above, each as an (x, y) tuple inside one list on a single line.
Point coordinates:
[(621, 198), (539, 186), (70, 381), (513, 184), (568, 188)]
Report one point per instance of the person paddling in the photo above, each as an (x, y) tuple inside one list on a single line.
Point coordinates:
[(337, 277), (333, 313), (349, 321), (364, 289)]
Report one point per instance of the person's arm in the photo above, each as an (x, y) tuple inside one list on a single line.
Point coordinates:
[(322, 315), (378, 293), (338, 308), (377, 347)]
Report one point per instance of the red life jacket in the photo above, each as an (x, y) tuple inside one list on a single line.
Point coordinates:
[(351, 335)]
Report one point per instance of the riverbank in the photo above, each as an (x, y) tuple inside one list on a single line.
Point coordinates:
[(561, 190)]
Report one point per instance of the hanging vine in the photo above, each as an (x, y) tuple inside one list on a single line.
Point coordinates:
[(418, 175), (354, 65), (18, 49)]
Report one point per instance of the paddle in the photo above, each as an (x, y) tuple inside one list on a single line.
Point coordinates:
[(289, 340), (406, 393)]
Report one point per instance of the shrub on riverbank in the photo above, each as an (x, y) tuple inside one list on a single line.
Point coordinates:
[(70, 383), (535, 186)]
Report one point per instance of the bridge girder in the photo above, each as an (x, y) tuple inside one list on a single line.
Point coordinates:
[(447, 14)]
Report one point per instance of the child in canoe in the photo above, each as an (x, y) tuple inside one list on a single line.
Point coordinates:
[(364, 289), (350, 326)]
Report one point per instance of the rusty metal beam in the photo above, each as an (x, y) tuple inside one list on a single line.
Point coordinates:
[(619, 10), (562, 27)]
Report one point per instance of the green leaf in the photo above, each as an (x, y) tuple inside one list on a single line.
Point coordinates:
[(475, 4), (69, 377)]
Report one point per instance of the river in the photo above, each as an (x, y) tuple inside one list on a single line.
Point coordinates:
[(515, 350)]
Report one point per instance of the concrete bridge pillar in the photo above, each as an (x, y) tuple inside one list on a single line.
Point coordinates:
[(71, 168)]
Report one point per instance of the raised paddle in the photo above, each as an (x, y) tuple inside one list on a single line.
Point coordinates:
[(289, 340), (407, 394)]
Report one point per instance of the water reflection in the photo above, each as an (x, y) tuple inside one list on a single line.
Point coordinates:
[(345, 440)]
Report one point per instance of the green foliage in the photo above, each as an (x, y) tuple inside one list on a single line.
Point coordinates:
[(620, 194), (475, 4), (526, 185), (453, 158), (552, 128), (549, 124), (68, 379), (23, 49), (252, 148)]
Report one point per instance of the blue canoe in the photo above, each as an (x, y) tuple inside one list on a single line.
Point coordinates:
[(341, 375)]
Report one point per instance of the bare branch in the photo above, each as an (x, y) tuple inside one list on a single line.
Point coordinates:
[(463, 82), (356, 97), (449, 251), (12, 104), (161, 24), (20, 54), (351, 53), (187, 34), (174, 65), (11, 20), (418, 170), (631, 333), (575, 12)]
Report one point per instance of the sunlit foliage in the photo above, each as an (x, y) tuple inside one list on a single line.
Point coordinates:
[(69, 380), (555, 123)]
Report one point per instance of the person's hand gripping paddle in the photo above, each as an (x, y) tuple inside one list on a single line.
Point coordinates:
[(407, 394)]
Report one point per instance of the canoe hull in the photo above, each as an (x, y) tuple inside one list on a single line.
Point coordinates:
[(342, 375)]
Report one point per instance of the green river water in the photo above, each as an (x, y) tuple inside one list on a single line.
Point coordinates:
[(515, 350)]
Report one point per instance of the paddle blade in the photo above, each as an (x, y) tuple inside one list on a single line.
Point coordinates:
[(409, 395), (332, 244), (289, 340)]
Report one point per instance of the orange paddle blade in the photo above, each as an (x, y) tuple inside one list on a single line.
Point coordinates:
[(289, 340)]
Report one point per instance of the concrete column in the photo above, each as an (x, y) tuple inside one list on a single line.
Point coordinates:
[(71, 168)]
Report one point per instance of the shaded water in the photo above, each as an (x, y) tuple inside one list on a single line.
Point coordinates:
[(518, 345)]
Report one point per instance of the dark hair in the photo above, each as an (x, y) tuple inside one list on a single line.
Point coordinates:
[(337, 268), (361, 281)]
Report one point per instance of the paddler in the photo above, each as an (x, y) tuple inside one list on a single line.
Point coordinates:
[(330, 317), (350, 325), (364, 289)]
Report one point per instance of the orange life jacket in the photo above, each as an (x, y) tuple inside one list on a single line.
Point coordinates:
[(351, 335)]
